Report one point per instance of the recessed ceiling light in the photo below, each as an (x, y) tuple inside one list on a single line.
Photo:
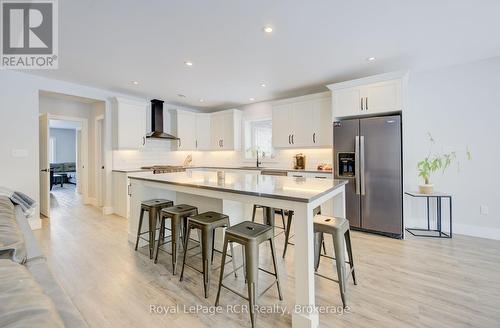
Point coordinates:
[(202, 100), (181, 95), (188, 63), (135, 82), (370, 59), (251, 99), (263, 85), (268, 29)]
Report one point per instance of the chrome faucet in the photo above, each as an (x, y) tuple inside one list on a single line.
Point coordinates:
[(258, 162)]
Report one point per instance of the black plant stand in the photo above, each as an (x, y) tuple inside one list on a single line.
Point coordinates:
[(437, 233)]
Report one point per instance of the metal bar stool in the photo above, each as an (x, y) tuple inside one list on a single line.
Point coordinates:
[(338, 228), (279, 211), (206, 224), (153, 206), (177, 215), (289, 214), (250, 235)]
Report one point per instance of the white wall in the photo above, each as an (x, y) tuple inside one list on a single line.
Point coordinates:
[(65, 145), (19, 110), (459, 106)]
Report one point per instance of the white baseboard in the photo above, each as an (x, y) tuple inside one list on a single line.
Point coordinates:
[(107, 210), (92, 201), (476, 231)]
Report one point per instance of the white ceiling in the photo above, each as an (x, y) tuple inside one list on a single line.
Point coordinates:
[(108, 44), (60, 124)]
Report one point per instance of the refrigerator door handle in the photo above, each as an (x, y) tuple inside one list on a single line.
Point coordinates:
[(362, 163), (356, 165)]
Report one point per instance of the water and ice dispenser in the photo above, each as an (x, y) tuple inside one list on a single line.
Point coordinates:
[(346, 164)]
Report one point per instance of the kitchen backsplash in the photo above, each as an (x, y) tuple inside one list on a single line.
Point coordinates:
[(159, 152)]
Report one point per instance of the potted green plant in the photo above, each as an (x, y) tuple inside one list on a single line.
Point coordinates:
[(433, 163)]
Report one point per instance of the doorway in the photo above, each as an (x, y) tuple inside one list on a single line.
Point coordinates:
[(62, 154)]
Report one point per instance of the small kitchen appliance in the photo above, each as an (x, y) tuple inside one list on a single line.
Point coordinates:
[(299, 162)]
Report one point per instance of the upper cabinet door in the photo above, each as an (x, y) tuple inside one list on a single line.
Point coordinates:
[(302, 127), (129, 118), (382, 97), (203, 132), (216, 131), (186, 132), (282, 126), (227, 131), (347, 102), (322, 134), (383, 93)]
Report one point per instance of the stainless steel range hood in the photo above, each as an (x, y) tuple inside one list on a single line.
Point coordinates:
[(157, 122)]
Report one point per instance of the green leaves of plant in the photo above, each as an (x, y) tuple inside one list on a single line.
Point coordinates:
[(433, 163)]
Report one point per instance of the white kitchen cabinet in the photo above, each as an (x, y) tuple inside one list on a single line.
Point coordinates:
[(303, 122), (383, 97), (347, 102), (121, 195), (185, 129), (226, 130), (368, 96), (322, 127), (129, 124), (193, 130), (203, 132), (282, 129)]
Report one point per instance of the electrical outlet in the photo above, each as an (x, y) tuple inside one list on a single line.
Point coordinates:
[(484, 210)]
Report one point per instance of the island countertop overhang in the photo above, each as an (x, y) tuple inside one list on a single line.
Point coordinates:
[(304, 190)]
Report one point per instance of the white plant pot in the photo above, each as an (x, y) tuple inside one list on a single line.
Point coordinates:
[(426, 189)]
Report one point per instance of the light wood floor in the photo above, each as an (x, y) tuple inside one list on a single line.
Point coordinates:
[(412, 283)]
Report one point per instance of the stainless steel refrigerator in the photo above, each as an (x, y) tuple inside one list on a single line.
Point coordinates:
[(368, 153)]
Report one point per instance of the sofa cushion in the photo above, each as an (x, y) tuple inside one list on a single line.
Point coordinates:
[(12, 244), (22, 302)]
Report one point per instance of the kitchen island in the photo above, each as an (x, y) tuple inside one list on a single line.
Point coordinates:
[(235, 195)]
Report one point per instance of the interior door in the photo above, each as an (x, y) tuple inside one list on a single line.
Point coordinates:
[(344, 139), (44, 164), (99, 162), (381, 174), (79, 161)]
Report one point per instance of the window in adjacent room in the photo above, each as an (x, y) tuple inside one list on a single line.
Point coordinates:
[(259, 137)]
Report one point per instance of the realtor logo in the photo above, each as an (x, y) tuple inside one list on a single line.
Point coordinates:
[(29, 34)]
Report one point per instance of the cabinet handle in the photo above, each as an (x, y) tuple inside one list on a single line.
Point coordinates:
[(317, 177), (361, 103), (289, 139), (293, 143), (314, 137), (143, 141), (196, 144), (128, 191), (366, 103), (222, 143)]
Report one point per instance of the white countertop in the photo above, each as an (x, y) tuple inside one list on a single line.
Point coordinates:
[(288, 188)]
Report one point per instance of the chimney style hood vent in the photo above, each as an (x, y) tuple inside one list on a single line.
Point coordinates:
[(157, 122)]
